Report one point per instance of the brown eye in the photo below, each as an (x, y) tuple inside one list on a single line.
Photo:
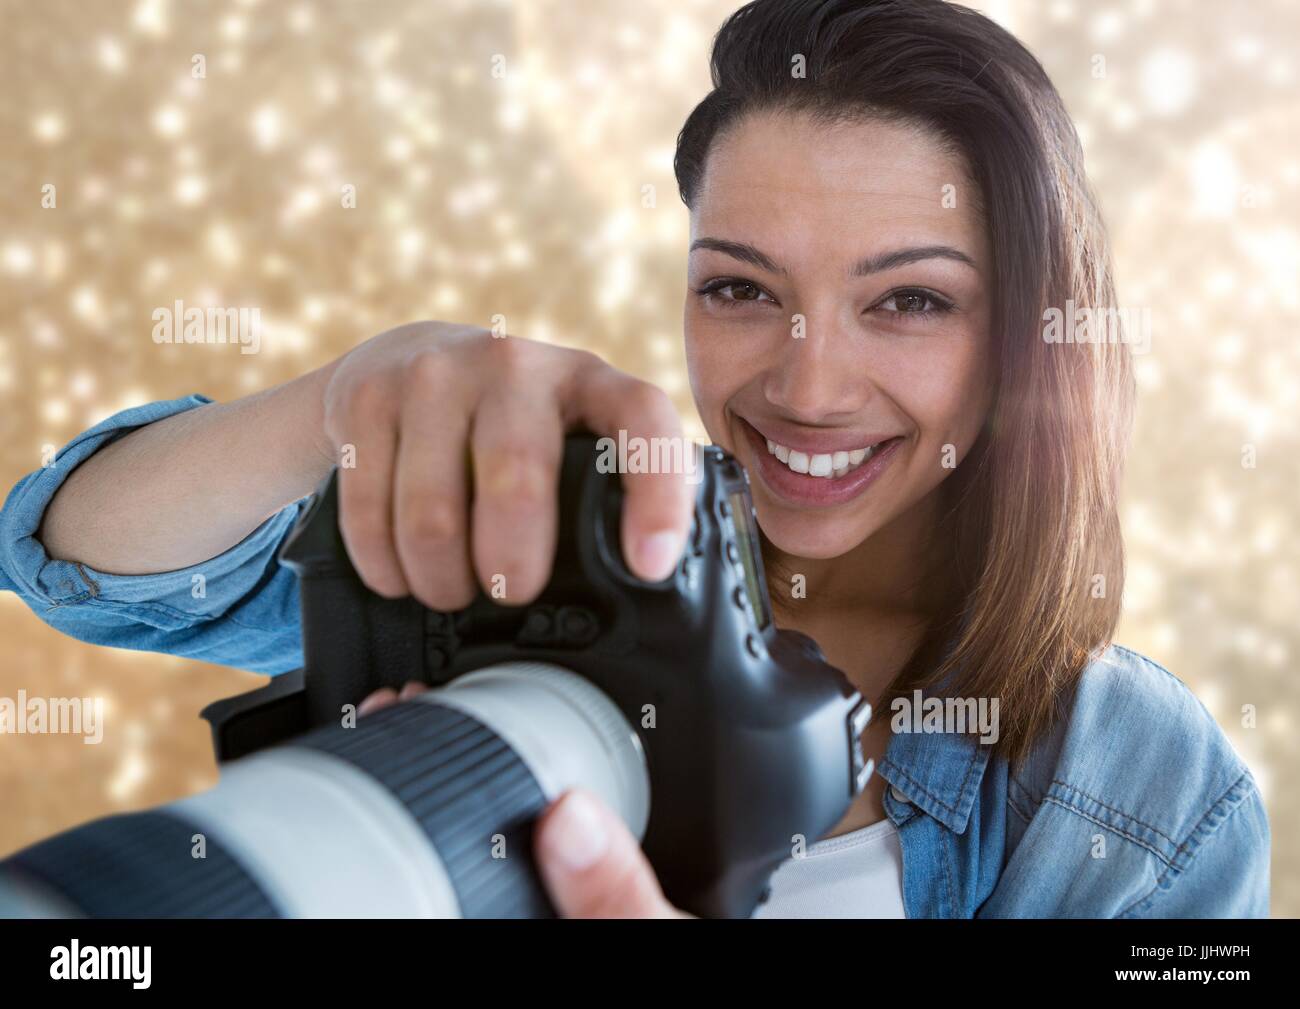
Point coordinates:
[(727, 293), (744, 292), (914, 301)]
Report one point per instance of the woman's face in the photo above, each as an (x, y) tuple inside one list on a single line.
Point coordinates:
[(847, 309)]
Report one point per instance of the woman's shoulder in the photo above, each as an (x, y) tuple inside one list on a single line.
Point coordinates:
[(1135, 804), (1136, 751)]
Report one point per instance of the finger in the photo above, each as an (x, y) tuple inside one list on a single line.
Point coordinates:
[(411, 689), (366, 492), (432, 488), (517, 447), (591, 864), (658, 505), (381, 698)]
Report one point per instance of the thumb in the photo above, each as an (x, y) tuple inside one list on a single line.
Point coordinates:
[(592, 865)]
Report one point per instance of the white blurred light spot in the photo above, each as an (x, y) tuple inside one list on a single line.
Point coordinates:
[(169, 121), (267, 127), (48, 127), (111, 57), (1123, 116), (82, 385), (399, 148), (85, 303), (1245, 49), (191, 189), (150, 17), (305, 201), (223, 245), (446, 298), (1061, 10), (18, 258), (472, 198), (1107, 26), (131, 773), (511, 116), (1168, 81), (1143, 587), (1215, 180), (302, 18)]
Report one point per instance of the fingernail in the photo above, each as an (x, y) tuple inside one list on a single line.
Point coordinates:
[(576, 833), (658, 553)]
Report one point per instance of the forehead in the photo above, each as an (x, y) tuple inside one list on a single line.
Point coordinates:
[(794, 186)]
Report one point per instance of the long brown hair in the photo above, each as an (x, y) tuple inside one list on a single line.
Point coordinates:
[(1037, 570)]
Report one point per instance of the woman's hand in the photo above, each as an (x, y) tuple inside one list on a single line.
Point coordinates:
[(431, 412), (592, 865), (590, 862), (427, 416)]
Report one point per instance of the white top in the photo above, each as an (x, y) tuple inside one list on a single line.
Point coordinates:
[(855, 875)]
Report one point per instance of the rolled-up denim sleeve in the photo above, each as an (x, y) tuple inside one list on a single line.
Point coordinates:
[(237, 609)]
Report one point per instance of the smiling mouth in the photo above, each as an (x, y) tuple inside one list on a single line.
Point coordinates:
[(831, 465), (819, 479)]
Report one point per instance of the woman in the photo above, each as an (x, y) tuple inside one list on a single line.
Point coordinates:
[(887, 200)]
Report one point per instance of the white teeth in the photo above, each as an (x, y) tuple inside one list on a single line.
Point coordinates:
[(823, 464)]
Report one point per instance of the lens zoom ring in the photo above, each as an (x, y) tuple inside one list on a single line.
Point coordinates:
[(142, 865), (469, 791)]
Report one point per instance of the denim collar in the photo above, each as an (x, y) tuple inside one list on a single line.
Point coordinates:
[(937, 772)]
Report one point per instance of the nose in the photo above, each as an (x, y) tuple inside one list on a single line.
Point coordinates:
[(821, 376)]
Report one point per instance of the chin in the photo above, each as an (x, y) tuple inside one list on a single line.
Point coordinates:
[(800, 534)]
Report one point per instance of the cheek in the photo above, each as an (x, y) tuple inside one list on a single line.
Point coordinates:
[(946, 392), (715, 376)]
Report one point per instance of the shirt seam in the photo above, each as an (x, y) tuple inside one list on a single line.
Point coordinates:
[(1118, 812), (1113, 828), (93, 601), (1187, 845)]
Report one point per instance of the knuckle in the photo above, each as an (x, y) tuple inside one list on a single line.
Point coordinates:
[(510, 356), (648, 400), (587, 361), (368, 395), (429, 372), (435, 522), (363, 518), (516, 476)]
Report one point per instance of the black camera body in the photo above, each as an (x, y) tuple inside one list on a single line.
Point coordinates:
[(751, 738)]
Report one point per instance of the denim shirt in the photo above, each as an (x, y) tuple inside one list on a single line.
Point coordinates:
[(1135, 804)]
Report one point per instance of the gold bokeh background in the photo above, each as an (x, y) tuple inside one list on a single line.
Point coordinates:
[(501, 154)]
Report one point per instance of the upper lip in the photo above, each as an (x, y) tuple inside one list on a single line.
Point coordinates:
[(825, 442)]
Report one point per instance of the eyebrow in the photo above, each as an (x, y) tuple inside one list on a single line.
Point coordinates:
[(871, 264)]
